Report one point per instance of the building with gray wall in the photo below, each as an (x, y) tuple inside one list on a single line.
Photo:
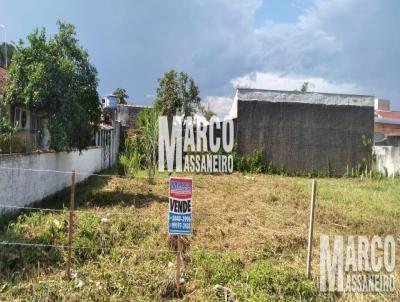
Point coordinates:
[(304, 131), (127, 114)]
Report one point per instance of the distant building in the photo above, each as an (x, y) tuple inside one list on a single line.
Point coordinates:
[(32, 134), (303, 131), (387, 124), (382, 104), (109, 101), (127, 114)]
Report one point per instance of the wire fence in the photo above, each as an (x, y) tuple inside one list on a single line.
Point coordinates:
[(24, 244), (100, 212), (73, 219), (81, 173), (72, 211)]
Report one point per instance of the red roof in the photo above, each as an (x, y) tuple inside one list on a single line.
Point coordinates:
[(3, 74), (388, 114)]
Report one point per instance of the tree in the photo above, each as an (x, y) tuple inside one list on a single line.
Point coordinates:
[(304, 87), (121, 95), (141, 148), (5, 125), (7, 130), (177, 94), (10, 52), (54, 76)]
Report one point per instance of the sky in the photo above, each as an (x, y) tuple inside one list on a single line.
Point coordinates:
[(337, 46)]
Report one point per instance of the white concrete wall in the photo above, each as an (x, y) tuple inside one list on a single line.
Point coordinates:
[(21, 187), (387, 157)]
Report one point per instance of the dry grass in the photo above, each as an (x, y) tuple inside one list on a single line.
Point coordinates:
[(242, 226)]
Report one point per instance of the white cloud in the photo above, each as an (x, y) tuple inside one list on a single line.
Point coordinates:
[(339, 44), (340, 41), (264, 80), (219, 104)]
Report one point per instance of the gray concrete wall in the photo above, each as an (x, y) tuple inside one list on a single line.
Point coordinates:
[(387, 158), (127, 114), (304, 136)]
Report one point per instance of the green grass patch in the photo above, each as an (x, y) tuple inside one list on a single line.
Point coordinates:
[(249, 239)]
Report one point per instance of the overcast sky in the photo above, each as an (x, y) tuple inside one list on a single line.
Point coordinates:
[(337, 45)]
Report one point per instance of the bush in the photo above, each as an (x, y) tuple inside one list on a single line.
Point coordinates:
[(256, 162), (131, 160)]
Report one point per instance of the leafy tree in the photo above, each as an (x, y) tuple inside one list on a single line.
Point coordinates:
[(54, 76), (304, 87), (10, 52), (177, 94), (121, 95), (7, 130), (141, 148)]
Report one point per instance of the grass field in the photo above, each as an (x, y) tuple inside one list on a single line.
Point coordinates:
[(249, 240)]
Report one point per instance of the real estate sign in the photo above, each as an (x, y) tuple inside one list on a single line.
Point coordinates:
[(180, 206)]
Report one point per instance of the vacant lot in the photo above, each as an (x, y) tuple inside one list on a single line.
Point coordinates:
[(250, 237)]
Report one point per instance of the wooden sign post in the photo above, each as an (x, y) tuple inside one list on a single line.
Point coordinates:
[(71, 224), (311, 228), (178, 264), (179, 216)]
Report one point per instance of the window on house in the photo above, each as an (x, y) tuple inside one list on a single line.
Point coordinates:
[(17, 117), (23, 119), (33, 123), (20, 118)]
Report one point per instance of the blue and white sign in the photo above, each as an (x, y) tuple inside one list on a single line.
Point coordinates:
[(180, 206)]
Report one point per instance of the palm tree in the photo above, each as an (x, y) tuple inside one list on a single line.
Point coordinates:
[(121, 95)]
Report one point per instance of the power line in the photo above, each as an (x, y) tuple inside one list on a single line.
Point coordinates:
[(43, 245), (65, 210), (77, 173)]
